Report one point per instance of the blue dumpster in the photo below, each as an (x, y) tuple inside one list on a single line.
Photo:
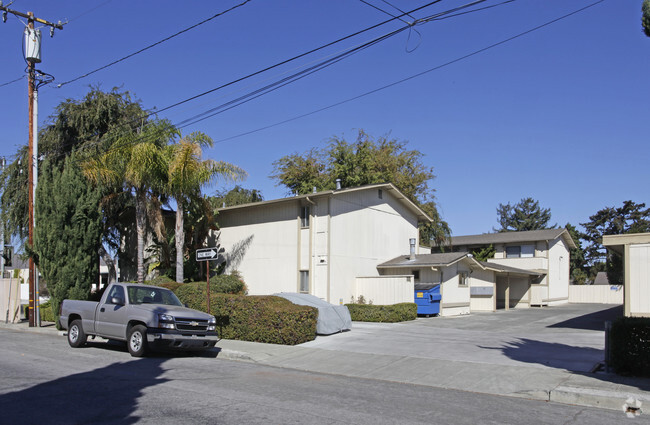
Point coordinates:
[(427, 298)]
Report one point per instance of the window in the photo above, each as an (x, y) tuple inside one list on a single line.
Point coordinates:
[(527, 251), (116, 292), (513, 251), (416, 275), (380, 193), (304, 282), (523, 251), (463, 279), (304, 216)]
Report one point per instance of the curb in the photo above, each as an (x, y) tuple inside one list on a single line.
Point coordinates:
[(612, 400)]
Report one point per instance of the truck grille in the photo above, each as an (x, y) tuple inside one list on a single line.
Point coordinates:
[(191, 325)]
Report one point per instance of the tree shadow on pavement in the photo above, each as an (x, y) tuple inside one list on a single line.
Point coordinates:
[(593, 321), (105, 395), (579, 360)]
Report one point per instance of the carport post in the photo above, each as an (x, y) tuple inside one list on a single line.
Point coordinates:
[(608, 354), (508, 291)]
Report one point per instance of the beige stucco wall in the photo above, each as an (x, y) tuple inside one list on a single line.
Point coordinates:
[(639, 281), (348, 235), (365, 231), (558, 272), (483, 278), (267, 241)]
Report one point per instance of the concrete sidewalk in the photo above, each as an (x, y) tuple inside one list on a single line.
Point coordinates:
[(438, 352), (601, 390)]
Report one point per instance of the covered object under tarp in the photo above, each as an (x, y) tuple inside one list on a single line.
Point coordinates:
[(331, 318)]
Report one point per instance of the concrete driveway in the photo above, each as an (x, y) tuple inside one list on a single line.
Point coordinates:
[(568, 337)]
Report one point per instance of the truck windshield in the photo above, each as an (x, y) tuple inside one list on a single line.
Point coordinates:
[(152, 295)]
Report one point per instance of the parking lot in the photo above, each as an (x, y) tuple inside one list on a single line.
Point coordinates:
[(569, 337)]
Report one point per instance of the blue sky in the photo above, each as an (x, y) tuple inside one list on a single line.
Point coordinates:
[(559, 114)]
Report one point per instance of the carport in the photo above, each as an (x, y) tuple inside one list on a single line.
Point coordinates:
[(516, 288)]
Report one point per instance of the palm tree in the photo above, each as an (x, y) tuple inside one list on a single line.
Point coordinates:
[(187, 174), (137, 164)]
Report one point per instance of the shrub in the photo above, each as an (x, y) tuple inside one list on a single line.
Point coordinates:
[(47, 314), (266, 319), (383, 313), (629, 342)]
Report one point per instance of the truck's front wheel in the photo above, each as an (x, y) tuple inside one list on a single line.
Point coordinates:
[(137, 341), (76, 335)]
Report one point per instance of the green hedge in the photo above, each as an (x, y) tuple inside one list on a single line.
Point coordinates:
[(47, 314), (383, 313), (267, 319), (629, 342)]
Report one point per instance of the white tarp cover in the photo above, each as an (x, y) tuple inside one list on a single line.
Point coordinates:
[(331, 318)]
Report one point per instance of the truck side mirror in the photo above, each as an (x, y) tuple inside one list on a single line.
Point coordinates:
[(117, 300)]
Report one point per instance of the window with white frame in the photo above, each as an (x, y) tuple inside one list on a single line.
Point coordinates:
[(304, 216), (463, 278), (304, 281), (513, 251), (520, 251)]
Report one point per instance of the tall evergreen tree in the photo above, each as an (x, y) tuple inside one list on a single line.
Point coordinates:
[(68, 233), (577, 263), (522, 216), (629, 218)]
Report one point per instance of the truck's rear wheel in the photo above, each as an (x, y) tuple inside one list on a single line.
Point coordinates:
[(137, 341), (76, 335)]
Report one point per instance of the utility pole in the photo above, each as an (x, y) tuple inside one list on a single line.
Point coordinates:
[(32, 56)]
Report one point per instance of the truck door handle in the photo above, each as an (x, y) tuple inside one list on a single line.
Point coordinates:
[(101, 309)]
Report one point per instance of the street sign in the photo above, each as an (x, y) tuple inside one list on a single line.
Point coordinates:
[(206, 254)]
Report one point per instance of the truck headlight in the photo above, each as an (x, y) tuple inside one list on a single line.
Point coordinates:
[(212, 324), (166, 321)]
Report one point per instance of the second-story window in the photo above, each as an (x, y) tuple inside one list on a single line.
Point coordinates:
[(304, 216)]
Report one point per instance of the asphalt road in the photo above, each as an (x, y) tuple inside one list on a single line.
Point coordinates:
[(43, 381)]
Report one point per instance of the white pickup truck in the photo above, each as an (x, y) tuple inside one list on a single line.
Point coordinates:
[(143, 316)]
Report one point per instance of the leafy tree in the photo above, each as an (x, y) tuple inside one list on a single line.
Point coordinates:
[(137, 163), (83, 126), (236, 196), (645, 19), (522, 216), (68, 232), (577, 262), (629, 218), (366, 161), (187, 173)]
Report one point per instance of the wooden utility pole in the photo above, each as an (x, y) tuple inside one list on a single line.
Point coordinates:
[(31, 78), (32, 58)]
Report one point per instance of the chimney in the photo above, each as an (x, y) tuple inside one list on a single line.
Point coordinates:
[(338, 184), (412, 252)]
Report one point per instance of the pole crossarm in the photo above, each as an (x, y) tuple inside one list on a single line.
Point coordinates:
[(31, 17)]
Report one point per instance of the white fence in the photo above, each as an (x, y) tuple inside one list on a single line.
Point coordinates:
[(385, 290), (598, 294)]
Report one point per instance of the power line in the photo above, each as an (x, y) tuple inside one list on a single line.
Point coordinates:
[(12, 81), (292, 59), (384, 11), (152, 45), (474, 53), (294, 77), (272, 87), (285, 81)]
